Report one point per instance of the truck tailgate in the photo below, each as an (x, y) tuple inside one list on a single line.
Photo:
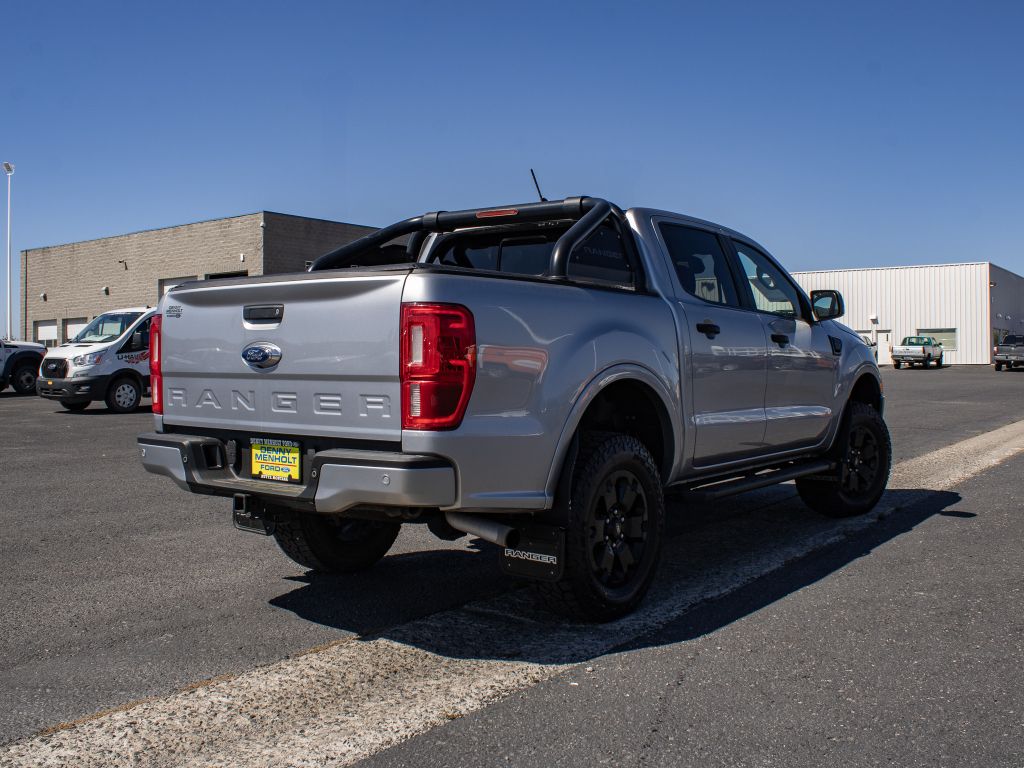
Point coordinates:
[(338, 338)]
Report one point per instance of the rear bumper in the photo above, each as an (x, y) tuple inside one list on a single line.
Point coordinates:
[(82, 389), (333, 480), (905, 358), (1008, 358)]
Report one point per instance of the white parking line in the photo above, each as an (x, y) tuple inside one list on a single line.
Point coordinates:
[(334, 705)]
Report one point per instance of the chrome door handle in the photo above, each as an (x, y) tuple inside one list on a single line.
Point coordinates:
[(708, 329)]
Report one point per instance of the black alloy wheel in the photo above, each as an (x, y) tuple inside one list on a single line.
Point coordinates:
[(863, 453), (617, 532), (615, 523), (862, 463)]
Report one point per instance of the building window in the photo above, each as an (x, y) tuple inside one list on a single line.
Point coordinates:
[(45, 332), (945, 336)]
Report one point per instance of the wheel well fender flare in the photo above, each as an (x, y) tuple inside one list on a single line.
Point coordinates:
[(129, 373), (672, 431), (15, 360), (866, 388)]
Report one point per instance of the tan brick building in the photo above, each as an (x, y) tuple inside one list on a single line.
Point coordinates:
[(64, 286)]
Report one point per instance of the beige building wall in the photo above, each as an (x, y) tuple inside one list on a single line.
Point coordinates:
[(291, 241), (63, 286), (81, 280)]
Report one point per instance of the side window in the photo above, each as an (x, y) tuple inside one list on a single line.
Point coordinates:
[(700, 264), (770, 289), (144, 330), (601, 259), (139, 340)]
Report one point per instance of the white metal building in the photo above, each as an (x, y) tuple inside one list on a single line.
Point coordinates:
[(965, 306)]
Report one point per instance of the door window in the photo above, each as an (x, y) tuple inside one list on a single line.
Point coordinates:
[(770, 290), (139, 340), (700, 264)]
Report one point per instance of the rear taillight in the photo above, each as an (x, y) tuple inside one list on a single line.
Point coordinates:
[(156, 379), (438, 365)]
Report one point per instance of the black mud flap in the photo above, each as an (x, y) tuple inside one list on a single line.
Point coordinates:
[(247, 514), (539, 554)]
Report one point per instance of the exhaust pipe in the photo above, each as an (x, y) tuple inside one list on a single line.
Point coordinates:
[(488, 530)]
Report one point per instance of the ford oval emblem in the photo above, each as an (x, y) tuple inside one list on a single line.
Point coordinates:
[(262, 354)]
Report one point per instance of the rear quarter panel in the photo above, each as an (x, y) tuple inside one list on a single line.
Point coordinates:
[(541, 348)]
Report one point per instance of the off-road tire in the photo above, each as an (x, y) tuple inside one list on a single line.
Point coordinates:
[(999, 366), (75, 406), (23, 380), (938, 361), (863, 450), (609, 466), (334, 545), (118, 399)]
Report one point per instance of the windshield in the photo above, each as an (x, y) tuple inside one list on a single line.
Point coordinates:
[(916, 341), (106, 327)]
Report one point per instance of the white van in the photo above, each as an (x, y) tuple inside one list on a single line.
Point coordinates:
[(108, 360)]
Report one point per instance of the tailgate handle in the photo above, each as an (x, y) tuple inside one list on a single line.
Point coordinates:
[(264, 313)]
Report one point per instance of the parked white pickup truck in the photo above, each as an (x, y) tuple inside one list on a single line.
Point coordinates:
[(917, 350)]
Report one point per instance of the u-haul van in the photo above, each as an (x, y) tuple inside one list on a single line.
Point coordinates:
[(108, 360)]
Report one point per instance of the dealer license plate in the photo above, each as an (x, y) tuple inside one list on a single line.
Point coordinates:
[(273, 459)]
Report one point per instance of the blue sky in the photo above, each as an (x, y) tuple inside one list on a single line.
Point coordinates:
[(855, 134)]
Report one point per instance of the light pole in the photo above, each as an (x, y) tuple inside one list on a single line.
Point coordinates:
[(9, 170)]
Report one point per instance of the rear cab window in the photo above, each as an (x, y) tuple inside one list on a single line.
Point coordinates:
[(601, 260)]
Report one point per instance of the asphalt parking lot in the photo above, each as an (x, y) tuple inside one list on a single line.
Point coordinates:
[(119, 587)]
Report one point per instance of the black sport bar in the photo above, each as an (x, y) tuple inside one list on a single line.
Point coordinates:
[(588, 212)]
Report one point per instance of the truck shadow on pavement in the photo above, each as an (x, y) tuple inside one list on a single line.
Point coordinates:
[(720, 563), (403, 587)]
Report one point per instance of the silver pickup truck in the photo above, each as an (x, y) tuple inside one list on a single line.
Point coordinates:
[(534, 375)]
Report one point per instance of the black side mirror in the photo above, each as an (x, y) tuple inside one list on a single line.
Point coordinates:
[(828, 305)]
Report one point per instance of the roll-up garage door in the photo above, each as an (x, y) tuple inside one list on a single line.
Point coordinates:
[(45, 332), (73, 326)]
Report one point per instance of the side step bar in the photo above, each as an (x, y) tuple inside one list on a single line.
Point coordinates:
[(752, 482)]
